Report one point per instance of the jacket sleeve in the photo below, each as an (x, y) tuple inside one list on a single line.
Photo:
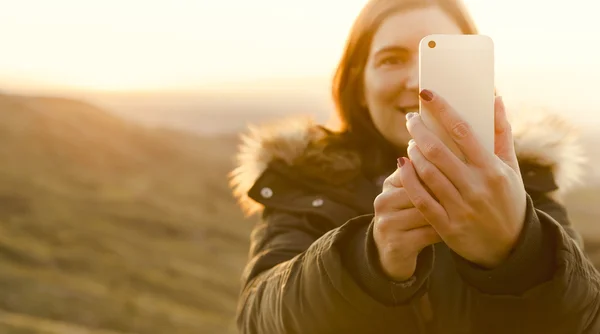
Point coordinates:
[(546, 286), (308, 273)]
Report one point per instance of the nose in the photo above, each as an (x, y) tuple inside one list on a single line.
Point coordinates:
[(412, 80)]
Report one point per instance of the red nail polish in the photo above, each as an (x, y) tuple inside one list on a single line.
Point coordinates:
[(426, 95), (400, 162)]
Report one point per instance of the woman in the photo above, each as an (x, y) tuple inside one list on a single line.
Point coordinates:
[(441, 245)]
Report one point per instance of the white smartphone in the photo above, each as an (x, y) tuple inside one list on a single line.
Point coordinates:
[(460, 68)]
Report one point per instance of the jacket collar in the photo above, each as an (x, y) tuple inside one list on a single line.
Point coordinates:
[(543, 141)]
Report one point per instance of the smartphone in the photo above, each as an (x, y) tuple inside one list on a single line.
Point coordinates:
[(460, 68)]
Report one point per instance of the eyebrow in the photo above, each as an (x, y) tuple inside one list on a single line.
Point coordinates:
[(391, 48)]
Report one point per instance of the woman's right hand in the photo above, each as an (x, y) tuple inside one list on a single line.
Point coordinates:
[(400, 230)]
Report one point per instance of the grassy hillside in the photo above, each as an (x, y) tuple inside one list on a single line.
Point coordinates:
[(203, 110), (107, 225)]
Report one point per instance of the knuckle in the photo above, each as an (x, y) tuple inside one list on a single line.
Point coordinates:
[(431, 150), (455, 230), (420, 203), (461, 129), (495, 177), (475, 195), (393, 181), (396, 180), (379, 203), (466, 213), (382, 224), (441, 107), (504, 128), (428, 173), (386, 183)]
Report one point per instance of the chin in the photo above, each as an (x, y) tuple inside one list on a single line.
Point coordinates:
[(399, 138), (402, 143)]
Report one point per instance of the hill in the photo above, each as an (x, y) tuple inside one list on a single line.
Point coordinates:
[(203, 110), (109, 225)]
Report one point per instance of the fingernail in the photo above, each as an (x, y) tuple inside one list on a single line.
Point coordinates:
[(400, 162), (411, 115), (426, 95)]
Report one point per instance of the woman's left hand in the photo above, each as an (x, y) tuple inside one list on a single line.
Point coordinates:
[(477, 206)]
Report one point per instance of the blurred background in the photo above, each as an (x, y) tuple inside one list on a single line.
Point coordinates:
[(119, 121)]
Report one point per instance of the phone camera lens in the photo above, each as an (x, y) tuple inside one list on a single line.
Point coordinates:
[(431, 44)]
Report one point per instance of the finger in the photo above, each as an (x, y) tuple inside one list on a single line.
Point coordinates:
[(394, 180), (437, 152), (459, 130), (392, 199), (400, 221), (504, 143), (433, 212), (422, 237), (402, 248), (440, 187)]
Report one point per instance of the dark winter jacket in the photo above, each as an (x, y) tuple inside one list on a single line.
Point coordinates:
[(313, 265)]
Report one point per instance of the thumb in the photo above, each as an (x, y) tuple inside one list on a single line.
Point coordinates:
[(504, 146)]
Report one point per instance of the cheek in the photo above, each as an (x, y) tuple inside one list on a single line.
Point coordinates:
[(383, 87), (381, 93)]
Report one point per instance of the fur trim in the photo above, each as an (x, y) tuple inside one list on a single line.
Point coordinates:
[(286, 140), (549, 139), (540, 137)]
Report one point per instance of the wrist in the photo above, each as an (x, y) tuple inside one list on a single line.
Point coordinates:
[(503, 251), (395, 266), (507, 244), (396, 270), (531, 261), (361, 260)]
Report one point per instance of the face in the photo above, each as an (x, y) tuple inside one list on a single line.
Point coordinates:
[(391, 77)]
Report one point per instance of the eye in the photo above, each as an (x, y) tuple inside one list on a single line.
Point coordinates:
[(392, 60)]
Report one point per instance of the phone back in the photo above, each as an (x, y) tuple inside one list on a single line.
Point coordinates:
[(460, 68)]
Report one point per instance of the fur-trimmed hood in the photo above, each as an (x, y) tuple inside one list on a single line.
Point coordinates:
[(540, 137)]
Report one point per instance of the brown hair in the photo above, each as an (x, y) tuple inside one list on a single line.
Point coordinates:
[(347, 86)]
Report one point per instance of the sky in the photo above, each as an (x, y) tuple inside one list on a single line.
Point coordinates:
[(548, 49)]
